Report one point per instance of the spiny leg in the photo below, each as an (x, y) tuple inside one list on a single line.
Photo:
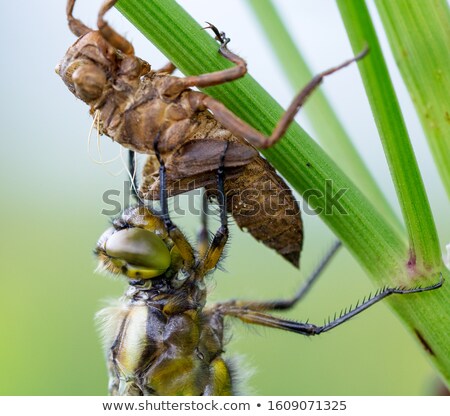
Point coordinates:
[(212, 78), (259, 318), (215, 249), (203, 235), (285, 304), (175, 234), (234, 123), (162, 188), (168, 68), (312, 278), (77, 27), (116, 40), (303, 95)]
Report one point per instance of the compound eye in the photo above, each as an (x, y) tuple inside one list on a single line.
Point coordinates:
[(89, 81), (140, 253)]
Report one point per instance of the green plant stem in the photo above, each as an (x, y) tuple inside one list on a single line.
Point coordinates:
[(425, 252), (424, 60), (304, 164), (324, 120)]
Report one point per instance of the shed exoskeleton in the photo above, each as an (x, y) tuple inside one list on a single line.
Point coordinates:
[(135, 105)]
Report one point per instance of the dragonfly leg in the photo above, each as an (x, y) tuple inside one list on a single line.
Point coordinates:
[(213, 78), (240, 128), (304, 328), (175, 234), (203, 234), (77, 27), (285, 304), (168, 69), (215, 249), (116, 40)]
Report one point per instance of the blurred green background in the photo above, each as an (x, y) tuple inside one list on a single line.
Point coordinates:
[(51, 218)]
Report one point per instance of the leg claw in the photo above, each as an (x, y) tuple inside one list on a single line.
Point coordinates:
[(220, 36)]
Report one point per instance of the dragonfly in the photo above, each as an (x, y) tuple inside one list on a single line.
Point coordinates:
[(164, 338), (142, 109)]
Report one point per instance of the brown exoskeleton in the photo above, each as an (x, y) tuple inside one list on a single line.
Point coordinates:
[(160, 115)]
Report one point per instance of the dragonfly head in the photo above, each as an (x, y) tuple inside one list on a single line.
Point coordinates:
[(91, 67), (85, 66), (137, 246)]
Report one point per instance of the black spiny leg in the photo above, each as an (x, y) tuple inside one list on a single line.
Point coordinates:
[(222, 198), (163, 187), (285, 304), (258, 318), (175, 234), (217, 245), (203, 235)]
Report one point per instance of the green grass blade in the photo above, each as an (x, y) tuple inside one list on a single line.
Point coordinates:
[(304, 164), (424, 245), (324, 120), (423, 57)]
